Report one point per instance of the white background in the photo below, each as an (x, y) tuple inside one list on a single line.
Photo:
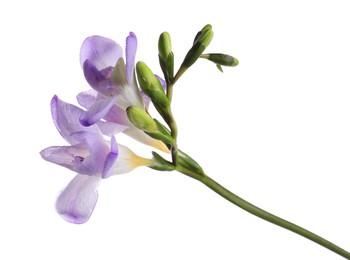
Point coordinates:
[(275, 130)]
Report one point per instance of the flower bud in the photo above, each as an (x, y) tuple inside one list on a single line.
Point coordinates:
[(202, 40), (205, 28), (164, 45), (151, 86), (166, 56), (221, 59), (140, 119)]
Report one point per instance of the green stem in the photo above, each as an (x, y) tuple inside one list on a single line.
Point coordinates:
[(173, 129), (245, 205), (171, 84)]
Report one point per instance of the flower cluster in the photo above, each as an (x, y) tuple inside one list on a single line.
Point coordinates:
[(117, 104), (93, 151)]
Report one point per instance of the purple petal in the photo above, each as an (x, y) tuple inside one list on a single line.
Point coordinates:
[(77, 201), (162, 81), (115, 115), (99, 79), (111, 158), (67, 156), (100, 51), (66, 118), (98, 149), (130, 52), (87, 98), (118, 115), (110, 128), (97, 111)]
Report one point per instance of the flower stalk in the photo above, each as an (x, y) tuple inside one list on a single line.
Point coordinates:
[(247, 206)]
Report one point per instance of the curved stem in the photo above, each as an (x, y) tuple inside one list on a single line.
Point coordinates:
[(222, 191)]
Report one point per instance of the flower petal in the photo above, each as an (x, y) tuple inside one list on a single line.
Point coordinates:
[(98, 150), (130, 52), (97, 111), (77, 201), (116, 114), (129, 94), (140, 136), (87, 98), (127, 161), (162, 81), (66, 156), (99, 79), (110, 128), (66, 119), (111, 158), (100, 51)]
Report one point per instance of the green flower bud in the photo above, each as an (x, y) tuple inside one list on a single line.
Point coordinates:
[(205, 28), (221, 59), (140, 119), (151, 86), (202, 40), (164, 45), (166, 56)]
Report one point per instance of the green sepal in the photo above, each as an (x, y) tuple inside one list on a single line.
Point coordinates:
[(167, 139), (167, 66), (160, 164), (219, 67), (187, 162), (162, 128)]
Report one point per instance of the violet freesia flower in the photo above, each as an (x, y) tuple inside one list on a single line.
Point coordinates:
[(90, 155), (114, 83)]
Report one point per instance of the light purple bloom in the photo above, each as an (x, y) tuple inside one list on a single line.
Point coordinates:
[(104, 69), (115, 86), (88, 154)]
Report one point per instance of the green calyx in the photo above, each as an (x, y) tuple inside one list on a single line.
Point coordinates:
[(160, 164)]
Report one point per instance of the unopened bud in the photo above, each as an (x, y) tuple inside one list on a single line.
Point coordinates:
[(151, 86), (221, 59), (164, 45), (140, 119), (202, 40), (205, 28), (166, 56)]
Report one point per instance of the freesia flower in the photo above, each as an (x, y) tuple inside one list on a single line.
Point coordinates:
[(114, 83), (88, 154)]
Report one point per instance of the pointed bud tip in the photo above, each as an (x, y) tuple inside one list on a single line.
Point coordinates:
[(164, 45)]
